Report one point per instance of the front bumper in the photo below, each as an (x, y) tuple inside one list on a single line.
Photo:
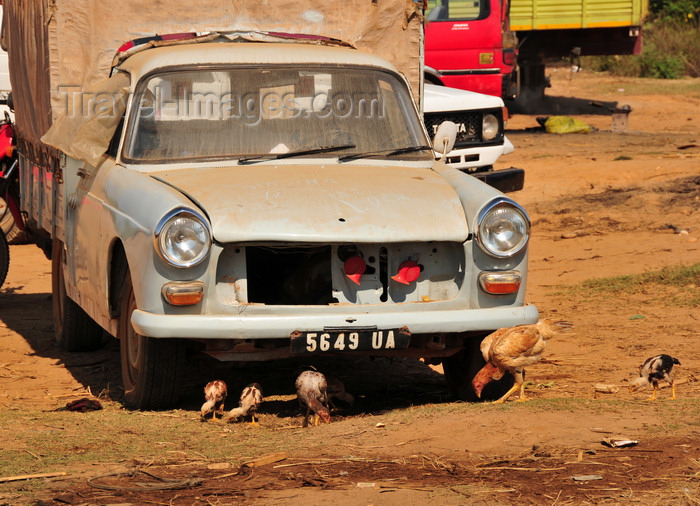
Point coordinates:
[(505, 180), (477, 156), (278, 326)]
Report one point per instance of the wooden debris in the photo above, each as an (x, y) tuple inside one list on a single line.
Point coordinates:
[(619, 443), (219, 465), (31, 476), (588, 477), (603, 388), (266, 459), (538, 469), (158, 482)]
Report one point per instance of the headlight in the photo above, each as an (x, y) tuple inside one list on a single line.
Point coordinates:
[(489, 127), (504, 229), (182, 238)]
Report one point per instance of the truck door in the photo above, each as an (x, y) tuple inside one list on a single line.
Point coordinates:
[(464, 42)]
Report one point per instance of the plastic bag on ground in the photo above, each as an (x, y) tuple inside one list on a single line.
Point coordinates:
[(565, 125)]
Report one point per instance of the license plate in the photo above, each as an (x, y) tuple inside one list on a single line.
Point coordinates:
[(341, 340)]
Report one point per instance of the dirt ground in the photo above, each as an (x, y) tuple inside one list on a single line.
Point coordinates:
[(601, 204)]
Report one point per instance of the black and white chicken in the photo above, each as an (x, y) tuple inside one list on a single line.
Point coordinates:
[(214, 393), (312, 393), (251, 398), (652, 371)]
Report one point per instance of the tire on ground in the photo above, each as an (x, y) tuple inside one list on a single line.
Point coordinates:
[(13, 233), (152, 368), (73, 328)]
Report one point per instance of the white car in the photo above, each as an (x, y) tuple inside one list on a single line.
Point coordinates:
[(261, 201), (481, 138)]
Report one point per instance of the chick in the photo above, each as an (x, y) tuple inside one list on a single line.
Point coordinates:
[(251, 398), (311, 391), (652, 371), (214, 392)]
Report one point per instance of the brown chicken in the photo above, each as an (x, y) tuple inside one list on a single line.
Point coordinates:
[(511, 350), (214, 392), (311, 391), (251, 398)]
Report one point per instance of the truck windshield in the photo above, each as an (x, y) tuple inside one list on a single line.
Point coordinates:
[(239, 113), (457, 10)]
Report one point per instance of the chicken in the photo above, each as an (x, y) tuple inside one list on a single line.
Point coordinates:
[(336, 390), (251, 398), (311, 391), (214, 392), (654, 369), (511, 350)]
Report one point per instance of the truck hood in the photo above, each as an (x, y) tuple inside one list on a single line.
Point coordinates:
[(442, 98), (323, 203)]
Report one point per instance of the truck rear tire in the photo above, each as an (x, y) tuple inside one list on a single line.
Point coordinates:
[(13, 233), (461, 368), (151, 368), (73, 328), (4, 257)]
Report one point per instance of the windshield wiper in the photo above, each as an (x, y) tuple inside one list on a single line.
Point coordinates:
[(384, 152), (290, 154)]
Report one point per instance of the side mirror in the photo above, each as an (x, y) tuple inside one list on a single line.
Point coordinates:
[(445, 137)]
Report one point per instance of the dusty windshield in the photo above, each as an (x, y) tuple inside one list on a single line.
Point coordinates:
[(225, 113)]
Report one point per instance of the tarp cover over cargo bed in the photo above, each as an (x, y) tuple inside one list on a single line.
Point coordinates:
[(77, 40)]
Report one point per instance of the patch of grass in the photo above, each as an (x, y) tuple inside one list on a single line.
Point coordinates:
[(622, 157), (671, 51), (64, 440), (676, 285), (689, 87)]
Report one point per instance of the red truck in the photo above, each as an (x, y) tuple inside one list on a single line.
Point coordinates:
[(500, 47), (469, 45)]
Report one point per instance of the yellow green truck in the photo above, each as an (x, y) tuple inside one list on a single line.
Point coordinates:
[(571, 28)]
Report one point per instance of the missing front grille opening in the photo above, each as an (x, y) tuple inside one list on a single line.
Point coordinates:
[(384, 274), (289, 276)]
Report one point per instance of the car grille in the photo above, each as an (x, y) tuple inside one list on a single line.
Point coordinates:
[(302, 275), (468, 127)]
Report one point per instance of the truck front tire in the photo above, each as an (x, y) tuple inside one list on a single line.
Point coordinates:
[(151, 368), (73, 328)]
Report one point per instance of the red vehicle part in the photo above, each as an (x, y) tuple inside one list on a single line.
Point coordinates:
[(470, 46), (7, 133), (11, 221)]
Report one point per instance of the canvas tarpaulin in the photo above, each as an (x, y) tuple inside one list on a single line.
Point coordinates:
[(55, 45), (86, 134)]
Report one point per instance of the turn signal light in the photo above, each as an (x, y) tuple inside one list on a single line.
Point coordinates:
[(409, 271), (509, 56), (500, 283), (186, 293), (355, 268)]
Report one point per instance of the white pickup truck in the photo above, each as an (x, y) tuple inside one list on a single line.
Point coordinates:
[(481, 138), (257, 196)]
